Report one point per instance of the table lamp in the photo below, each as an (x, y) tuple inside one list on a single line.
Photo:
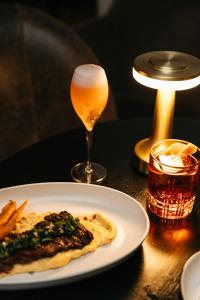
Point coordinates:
[(168, 72)]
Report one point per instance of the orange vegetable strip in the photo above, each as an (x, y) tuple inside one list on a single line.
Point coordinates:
[(10, 226), (7, 212), (15, 217), (7, 205)]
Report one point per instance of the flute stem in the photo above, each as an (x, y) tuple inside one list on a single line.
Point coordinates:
[(88, 168)]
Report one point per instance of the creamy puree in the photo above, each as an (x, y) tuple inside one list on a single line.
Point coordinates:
[(103, 230)]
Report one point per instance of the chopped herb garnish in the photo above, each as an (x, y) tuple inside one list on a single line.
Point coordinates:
[(53, 226)]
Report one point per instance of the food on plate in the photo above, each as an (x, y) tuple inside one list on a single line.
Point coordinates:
[(7, 212), (50, 240), (9, 217)]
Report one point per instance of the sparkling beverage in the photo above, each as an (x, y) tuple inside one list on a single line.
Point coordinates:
[(89, 96), (89, 93)]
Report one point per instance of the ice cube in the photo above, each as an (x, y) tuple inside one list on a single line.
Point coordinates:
[(171, 160), (175, 163), (174, 148)]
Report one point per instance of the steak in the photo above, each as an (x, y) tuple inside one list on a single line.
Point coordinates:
[(73, 236)]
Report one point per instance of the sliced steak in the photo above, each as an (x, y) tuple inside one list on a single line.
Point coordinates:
[(80, 238)]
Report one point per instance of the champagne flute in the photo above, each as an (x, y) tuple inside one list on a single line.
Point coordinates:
[(89, 96)]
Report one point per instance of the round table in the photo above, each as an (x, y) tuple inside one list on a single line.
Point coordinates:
[(153, 271)]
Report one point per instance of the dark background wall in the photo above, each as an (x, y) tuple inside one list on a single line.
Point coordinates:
[(128, 29), (72, 12), (134, 27)]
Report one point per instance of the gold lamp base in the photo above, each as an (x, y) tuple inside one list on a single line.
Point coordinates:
[(141, 155), (162, 128), (166, 71)]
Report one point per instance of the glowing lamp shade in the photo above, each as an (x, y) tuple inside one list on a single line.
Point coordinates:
[(166, 85), (166, 71)]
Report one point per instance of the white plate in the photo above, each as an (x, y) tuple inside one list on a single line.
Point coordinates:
[(190, 278), (128, 215)]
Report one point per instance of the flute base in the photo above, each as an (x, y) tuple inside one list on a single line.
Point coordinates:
[(97, 175)]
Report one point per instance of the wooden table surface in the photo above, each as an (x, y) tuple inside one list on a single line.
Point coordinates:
[(154, 270)]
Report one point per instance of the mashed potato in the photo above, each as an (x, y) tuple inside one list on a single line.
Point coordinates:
[(103, 230)]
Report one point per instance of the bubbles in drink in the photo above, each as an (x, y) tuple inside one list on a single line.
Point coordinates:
[(89, 93)]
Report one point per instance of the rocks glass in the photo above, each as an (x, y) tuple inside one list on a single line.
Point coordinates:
[(172, 178)]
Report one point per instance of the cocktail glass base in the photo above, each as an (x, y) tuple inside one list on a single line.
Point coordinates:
[(80, 174), (169, 209)]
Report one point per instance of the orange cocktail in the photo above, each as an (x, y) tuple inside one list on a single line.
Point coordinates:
[(89, 96), (89, 101)]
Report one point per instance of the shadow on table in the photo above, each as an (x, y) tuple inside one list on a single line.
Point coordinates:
[(115, 283)]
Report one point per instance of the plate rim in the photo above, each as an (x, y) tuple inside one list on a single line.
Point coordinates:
[(185, 269), (82, 276)]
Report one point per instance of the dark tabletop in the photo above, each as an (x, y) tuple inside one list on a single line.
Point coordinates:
[(153, 271)]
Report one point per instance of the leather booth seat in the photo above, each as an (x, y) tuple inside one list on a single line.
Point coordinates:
[(38, 55)]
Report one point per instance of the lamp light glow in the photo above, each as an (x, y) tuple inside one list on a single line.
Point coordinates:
[(168, 72), (166, 84)]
